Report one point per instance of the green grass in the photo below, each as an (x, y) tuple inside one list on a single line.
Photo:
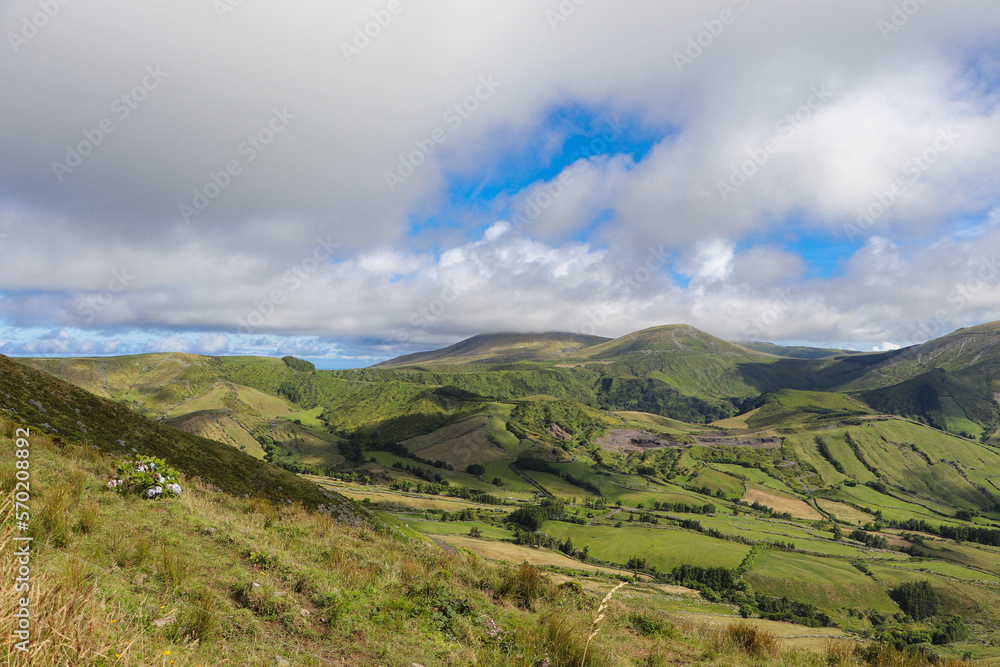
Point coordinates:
[(454, 527), (762, 530), (891, 507), (972, 555), (308, 418), (974, 601), (716, 480), (267, 405), (213, 399), (454, 477), (661, 547), (951, 570), (558, 486), (754, 475), (825, 582), (251, 580), (788, 406)]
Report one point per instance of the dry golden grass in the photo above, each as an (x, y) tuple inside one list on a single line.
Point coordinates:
[(513, 553), (797, 508), (399, 500), (790, 635), (844, 512)]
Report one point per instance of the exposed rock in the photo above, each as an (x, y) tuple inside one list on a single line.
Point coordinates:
[(559, 432), (165, 621)]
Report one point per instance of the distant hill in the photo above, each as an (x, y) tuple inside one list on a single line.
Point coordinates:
[(951, 382), (501, 348), (674, 371), (794, 351)]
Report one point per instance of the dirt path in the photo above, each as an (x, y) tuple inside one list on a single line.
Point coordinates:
[(528, 479), (601, 518), (445, 547)]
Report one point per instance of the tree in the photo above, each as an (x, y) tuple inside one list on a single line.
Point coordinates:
[(299, 364), (475, 469), (918, 600), (838, 534)]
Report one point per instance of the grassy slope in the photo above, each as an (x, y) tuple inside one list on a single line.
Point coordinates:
[(60, 409), (210, 579)]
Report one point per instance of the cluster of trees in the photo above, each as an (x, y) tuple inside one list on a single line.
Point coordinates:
[(869, 540), (760, 507), (531, 517), (917, 599), (528, 462), (783, 609), (684, 508), (977, 534), (299, 364), (447, 489), (695, 576)]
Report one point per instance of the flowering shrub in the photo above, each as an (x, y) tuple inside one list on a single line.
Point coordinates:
[(149, 477)]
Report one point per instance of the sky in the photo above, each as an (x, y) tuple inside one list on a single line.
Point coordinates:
[(349, 182)]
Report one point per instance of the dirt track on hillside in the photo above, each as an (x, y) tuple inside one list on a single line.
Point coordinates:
[(625, 440)]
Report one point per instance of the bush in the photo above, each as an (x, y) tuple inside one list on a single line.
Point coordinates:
[(146, 476), (525, 584), (954, 630), (751, 640), (651, 626)]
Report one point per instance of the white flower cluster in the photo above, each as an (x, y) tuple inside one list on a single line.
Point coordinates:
[(173, 488)]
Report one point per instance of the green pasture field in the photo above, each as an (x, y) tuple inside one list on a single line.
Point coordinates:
[(974, 601), (828, 583), (453, 527), (661, 547), (892, 508), (950, 570), (755, 475), (719, 481), (305, 417), (454, 477)]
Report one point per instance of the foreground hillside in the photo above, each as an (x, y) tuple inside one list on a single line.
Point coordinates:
[(207, 578), (63, 410)]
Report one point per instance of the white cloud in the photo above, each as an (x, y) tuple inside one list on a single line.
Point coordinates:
[(307, 241)]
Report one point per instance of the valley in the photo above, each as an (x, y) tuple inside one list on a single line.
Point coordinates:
[(748, 484)]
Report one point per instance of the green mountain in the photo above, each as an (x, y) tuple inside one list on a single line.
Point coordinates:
[(502, 348), (795, 352), (950, 382)]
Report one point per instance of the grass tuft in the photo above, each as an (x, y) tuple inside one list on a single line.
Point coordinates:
[(598, 617), (750, 639)]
